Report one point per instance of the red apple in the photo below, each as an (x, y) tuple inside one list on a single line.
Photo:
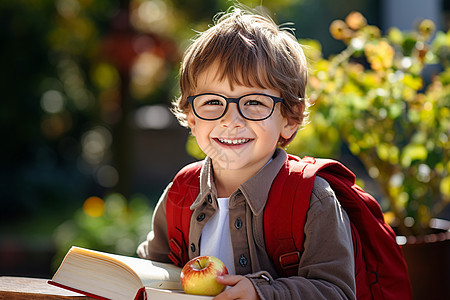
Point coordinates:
[(198, 276)]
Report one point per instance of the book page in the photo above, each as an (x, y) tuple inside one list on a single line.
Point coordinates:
[(152, 274)]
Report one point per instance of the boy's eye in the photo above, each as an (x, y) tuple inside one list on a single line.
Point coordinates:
[(253, 102), (209, 100), (258, 101), (213, 102)]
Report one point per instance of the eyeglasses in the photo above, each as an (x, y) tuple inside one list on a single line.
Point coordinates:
[(253, 107)]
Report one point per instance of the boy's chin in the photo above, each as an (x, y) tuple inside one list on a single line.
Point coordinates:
[(225, 165), (230, 165)]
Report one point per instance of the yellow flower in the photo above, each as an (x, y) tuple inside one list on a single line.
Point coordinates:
[(426, 28), (94, 207), (355, 20), (380, 55), (339, 30), (395, 36), (372, 32)]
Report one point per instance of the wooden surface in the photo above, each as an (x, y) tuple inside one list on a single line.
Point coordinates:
[(33, 288)]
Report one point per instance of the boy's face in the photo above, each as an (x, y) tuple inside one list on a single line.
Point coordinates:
[(232, 141)]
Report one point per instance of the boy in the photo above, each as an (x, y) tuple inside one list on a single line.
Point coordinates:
[(243, 87)]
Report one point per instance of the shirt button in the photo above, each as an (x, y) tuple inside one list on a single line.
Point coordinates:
[(243, 261), (209, 199), (238, 223), (200, 217), (193, 247)]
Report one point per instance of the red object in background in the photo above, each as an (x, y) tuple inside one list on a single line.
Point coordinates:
[(124, 44)]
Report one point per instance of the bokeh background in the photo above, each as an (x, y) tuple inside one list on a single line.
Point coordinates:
[(87, 140)]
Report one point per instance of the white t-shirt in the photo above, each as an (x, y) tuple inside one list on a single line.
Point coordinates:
[(216, 238)]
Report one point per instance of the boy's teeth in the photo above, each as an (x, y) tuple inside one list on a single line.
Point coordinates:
[(233, 142)]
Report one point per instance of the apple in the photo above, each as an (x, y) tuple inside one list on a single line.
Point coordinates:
[(198, 276)]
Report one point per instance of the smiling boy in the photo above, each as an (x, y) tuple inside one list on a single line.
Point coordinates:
[(243, 87)]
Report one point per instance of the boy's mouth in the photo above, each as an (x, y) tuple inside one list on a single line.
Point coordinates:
[(233, 141)]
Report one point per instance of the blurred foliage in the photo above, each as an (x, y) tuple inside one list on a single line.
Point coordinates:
[(112, 224), (387, 98), (39, 149)]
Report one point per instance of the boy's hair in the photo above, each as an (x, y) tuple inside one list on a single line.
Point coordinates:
[(250, 50)]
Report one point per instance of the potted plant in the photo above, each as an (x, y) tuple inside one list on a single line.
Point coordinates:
[(387, 98)]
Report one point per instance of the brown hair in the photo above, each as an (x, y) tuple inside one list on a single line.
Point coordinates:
[(251, 50)]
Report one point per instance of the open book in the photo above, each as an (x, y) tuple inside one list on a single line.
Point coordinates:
[(110, 276)]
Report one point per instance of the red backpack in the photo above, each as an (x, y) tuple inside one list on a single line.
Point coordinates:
[(380, 269)]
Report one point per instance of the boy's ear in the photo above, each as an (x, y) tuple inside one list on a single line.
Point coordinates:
[(288, 129), (191, 122), (290, 126)]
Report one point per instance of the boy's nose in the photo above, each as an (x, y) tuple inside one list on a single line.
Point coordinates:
[(232, 117)]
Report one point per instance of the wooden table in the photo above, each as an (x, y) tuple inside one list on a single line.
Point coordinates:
[(33, 288)]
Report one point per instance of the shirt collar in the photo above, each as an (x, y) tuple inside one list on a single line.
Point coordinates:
[(255, 190), (207, 186)]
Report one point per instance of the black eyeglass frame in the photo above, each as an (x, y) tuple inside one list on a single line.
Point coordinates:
[(190, 99)]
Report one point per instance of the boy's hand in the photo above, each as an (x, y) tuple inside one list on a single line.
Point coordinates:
[(241, 288)]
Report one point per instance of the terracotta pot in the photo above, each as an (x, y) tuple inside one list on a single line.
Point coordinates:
[(428, 260)]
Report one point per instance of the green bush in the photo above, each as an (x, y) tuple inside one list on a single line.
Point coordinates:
[(387, 98)]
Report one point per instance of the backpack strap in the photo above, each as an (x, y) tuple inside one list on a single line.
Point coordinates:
[(288, 201), (288, 204), (183, 192)]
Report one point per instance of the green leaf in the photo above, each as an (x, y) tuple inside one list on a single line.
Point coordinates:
[(412, 153), (413, 82), (445, 186), (193, 149)]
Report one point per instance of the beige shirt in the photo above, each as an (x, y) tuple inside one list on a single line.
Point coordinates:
[(326, 269)]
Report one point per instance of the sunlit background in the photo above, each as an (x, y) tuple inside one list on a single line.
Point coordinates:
[(88, 141)]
